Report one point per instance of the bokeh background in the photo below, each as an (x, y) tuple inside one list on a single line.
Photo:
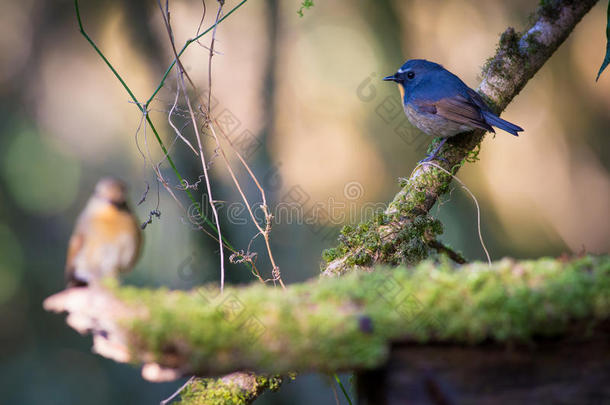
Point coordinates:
[(323, 130)]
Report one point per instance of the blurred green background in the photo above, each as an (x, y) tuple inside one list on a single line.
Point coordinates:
[(324, 130)]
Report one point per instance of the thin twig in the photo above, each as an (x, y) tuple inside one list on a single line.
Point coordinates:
[(212, 42), (202, 17), (476, 202), (452, 254), (188, 42), (268, 216), (342, 389), (181, 73), (209, 123), (178, 391), (171, 124), (334, 387)]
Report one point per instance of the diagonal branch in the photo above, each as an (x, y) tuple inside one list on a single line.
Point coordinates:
[(396, 235)]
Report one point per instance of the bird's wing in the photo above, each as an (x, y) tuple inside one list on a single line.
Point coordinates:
[(490, 117), (457, 109), (477, 99)]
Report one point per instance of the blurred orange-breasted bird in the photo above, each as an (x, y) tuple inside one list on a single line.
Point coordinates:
[(106, 239)]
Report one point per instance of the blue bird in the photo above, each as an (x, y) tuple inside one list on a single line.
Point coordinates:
[(440, 104)]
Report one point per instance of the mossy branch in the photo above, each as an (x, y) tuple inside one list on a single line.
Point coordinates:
[(402, 232), (331, 324), (233, 389)]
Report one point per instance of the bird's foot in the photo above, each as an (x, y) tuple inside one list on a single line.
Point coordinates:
[(428, 158), (431, 158), (434, 154)]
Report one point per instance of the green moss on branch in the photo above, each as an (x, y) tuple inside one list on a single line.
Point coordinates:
[(348, 323), (377, 241), (233, 389)]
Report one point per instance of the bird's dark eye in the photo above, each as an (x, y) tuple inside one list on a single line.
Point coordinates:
[(410, 75)]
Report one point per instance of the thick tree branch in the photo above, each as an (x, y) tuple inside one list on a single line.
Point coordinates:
[(397, 235), (334, 324)]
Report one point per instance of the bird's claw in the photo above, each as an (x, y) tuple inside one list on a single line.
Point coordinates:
[(434, 154), (431, 157), (426, 159)]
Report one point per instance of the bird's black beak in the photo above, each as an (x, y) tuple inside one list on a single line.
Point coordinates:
[(392, 78)]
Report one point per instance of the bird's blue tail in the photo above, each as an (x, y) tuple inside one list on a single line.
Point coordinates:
[(498, 122)]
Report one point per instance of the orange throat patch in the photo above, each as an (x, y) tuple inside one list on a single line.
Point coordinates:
[(401, 89)]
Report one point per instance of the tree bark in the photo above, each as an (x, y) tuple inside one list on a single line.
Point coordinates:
[(549, 371)]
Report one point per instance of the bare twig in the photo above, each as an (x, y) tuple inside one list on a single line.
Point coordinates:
[(181, 73), (268, 216), (210, 125), (177, 392), (212, 42), (476, 202), (452, 254), (176, 130)]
